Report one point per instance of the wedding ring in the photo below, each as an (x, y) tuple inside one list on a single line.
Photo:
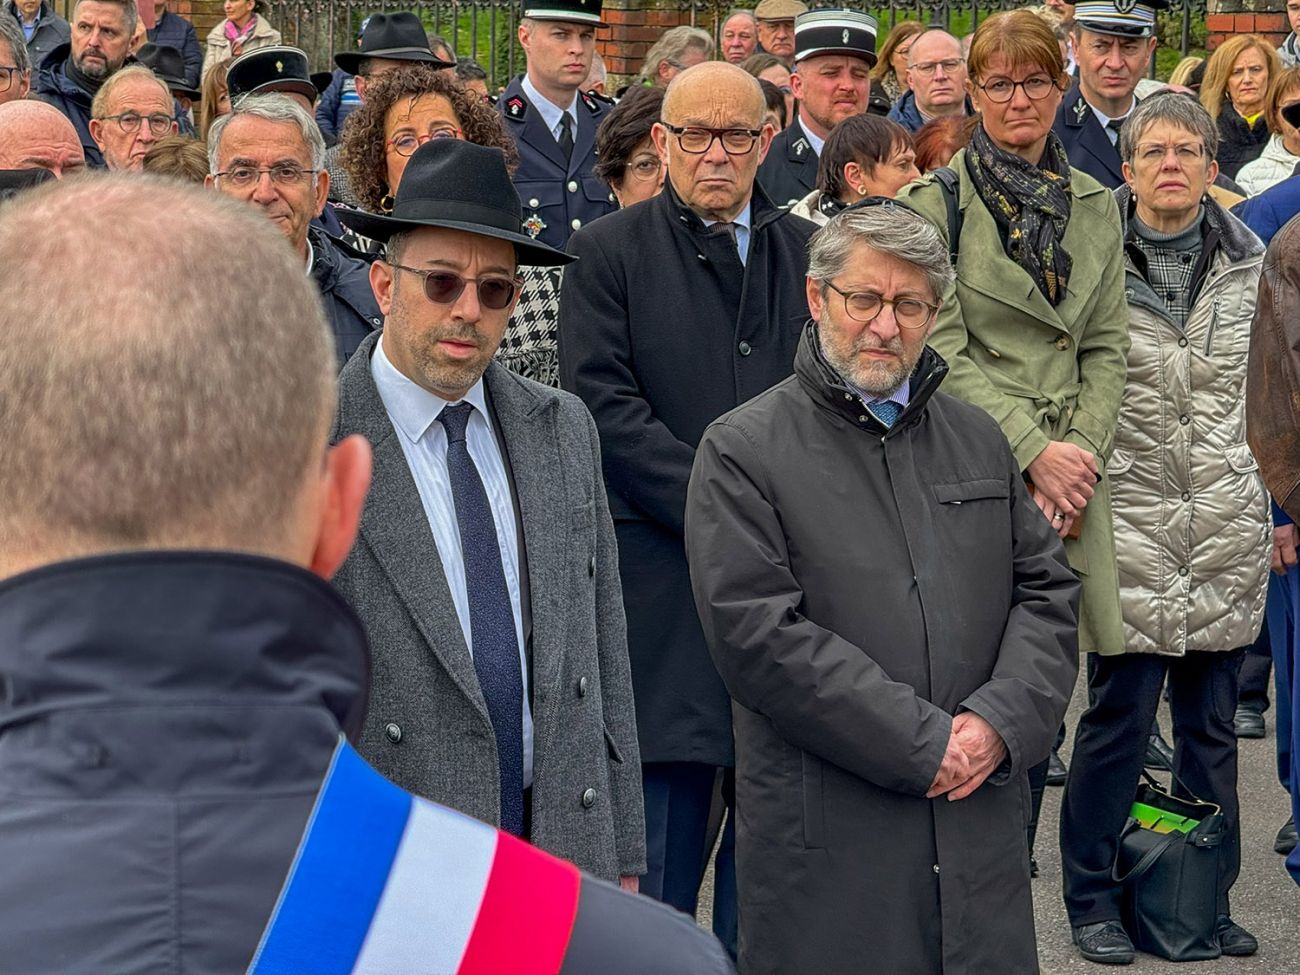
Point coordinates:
[(1059, 517)]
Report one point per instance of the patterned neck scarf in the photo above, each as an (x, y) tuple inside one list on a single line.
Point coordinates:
[(1031, 205), (235, 35)]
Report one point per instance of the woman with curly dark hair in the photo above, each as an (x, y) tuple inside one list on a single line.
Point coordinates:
[(404, 109)]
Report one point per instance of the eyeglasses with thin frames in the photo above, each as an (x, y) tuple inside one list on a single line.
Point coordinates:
[(7, 73), (949, 65), (865, 307), (406, 143), (698, 140), (283, 174), (445, 287), (130, 122)]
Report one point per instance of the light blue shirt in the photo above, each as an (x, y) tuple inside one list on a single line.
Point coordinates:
[(414, 413), (742, 222), (814, 140), (548, 110)]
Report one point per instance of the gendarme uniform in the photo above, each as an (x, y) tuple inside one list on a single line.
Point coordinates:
[(557, 187), (1091, 145), (789, 173)]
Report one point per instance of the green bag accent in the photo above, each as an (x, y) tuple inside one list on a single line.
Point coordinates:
[(1162, 820)]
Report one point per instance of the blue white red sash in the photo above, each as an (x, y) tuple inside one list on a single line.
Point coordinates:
[(384, 882)]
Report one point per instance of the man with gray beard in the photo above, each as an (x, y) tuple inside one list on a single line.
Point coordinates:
[(896, 624)]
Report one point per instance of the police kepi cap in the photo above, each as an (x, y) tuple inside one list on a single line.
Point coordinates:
[(570, 11), (392, 37), (460, 186), (845, 32), (780, 9), (1123, 18), (269, 70)]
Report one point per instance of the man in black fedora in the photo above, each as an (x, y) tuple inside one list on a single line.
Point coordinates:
[(486, 573), (835, 51), (553, 122), (169, 65), (174, 31)]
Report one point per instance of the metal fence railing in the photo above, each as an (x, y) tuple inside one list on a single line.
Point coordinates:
[(485, 30)]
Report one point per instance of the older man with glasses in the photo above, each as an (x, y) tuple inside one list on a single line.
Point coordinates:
[(680, 309), (15, 64), (132, 110), (269, 152), (936, 74)]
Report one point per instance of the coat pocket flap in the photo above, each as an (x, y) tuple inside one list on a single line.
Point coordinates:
[(1120, 461), (1240, 459), (976, 490), (611, 746)]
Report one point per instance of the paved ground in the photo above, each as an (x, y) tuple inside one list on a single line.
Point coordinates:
[(1265, 901)]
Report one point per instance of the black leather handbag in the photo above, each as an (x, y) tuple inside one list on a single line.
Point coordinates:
[(1168, 862)]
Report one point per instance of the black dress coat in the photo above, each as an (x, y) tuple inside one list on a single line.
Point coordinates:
[(859, 586), (1086, 142), (1239, 142), (344, 283), (789, 173), (661, 332)]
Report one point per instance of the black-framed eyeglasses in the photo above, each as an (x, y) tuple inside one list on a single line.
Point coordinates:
[(282, 174), (7, 72), (445, 287), (1002, 90), (130, 122), (697, 141), (865, 306)]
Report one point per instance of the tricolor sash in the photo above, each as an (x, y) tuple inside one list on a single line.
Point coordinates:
[(384, 882)]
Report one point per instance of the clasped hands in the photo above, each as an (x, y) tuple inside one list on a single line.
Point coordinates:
[(974, 751), (1064, 476)]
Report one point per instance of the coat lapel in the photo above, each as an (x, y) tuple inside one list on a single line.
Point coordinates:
[(537, 135), (396, 529), (1090, 136), (529, 430), (585, 137)]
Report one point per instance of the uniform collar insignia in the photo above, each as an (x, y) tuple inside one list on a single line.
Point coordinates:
[(590, 102), (516, 107), (1080, 109), (800, 146)]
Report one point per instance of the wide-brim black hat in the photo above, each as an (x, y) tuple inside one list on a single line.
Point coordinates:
[(169, 65), (270, 70), (460, 186), (393, 37)]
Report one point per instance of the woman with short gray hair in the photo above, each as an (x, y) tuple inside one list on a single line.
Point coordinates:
[(1192, 525)]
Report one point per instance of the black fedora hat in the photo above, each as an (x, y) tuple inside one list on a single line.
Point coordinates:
[(169, 65), (461, 186), (270, 70), (394, 37)]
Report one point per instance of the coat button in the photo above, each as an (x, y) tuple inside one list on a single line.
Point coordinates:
[(589, 798), (744, 348), (393, 731), (582, 687), (1187, 495), (575, 223), (1184, 419), (573, 186), (1063, 343), (1182, 570), (534, 203), (591, 566), (1182, 342), (936, 868)]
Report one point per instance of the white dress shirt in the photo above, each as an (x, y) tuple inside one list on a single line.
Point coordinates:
[(414, 413), (549, 111), (814, 140), (1103, 118)]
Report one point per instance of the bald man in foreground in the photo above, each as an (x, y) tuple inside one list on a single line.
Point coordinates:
[(178, 674), (35, 135), (679, 310)]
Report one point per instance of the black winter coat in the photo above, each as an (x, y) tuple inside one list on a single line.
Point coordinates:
[(860, 586), (661, 332), (166, 723), (789, 173), (344, 283), (52, 84), (1239, 142)]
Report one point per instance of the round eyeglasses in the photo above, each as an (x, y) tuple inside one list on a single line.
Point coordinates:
[(865, 307), (1002, 90), (406, 143)]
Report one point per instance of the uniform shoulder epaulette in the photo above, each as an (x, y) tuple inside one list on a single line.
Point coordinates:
[(516, 108), (600, 97), (590, 100)]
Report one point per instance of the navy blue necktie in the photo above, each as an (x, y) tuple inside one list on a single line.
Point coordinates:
[(491, 619), (886, 411)]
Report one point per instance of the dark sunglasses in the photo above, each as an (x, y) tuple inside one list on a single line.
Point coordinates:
[(445, 288)]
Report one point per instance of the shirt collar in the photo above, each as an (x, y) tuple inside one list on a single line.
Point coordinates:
[(311, 255), (411, 407), (1103, 118), (902, 395), (549, 111), (813, 140), (742, 220)]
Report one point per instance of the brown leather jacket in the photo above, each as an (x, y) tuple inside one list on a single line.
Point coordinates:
[(1273, 382)]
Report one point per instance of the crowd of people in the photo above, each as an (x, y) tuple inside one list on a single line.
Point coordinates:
[(732, 473)]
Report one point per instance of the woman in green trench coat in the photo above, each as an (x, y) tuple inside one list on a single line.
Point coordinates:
[(1035, 329)]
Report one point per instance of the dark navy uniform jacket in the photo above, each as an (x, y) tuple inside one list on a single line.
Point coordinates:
[(789, 173), (1086, 143), (558, 197)]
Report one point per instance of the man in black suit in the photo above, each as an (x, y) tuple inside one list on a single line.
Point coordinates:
[(835, 51), (1113, 48), (679, 310)]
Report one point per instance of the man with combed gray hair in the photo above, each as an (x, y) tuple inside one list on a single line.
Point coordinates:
[(180, 676), (896, 623), (675, 51), (15, 63), (269, 152), (1192, 527), (739, 36)]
